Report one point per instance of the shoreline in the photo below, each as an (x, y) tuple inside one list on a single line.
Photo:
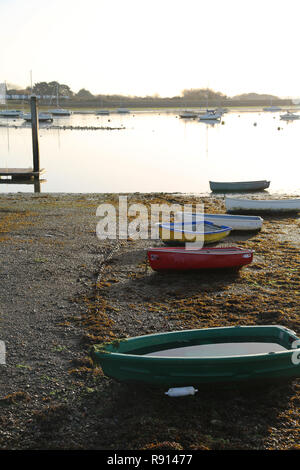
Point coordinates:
[(63, 290), (208, 195)]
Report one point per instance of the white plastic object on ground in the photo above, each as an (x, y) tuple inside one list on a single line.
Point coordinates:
[(181, 391)]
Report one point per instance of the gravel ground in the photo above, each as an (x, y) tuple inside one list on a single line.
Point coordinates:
[(62, 290)]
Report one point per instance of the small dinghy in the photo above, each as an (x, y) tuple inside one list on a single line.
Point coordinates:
[(289, 116), (13, 113), (225, 355), (123, 111), (102, 112), (60, 112), (194, 231), (42, 117), (181, 259), (188, 114), (262, 205), (210, 115), (239, 185), (236, 222)]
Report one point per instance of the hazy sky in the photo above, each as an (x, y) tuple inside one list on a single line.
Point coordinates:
[(138, 47)]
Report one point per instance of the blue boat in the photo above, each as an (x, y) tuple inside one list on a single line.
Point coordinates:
[(193, 231)]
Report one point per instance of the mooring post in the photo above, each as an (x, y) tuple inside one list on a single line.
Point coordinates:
[(35, 135)]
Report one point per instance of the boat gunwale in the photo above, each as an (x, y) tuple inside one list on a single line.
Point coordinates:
[(204, 215), (223, 228), (233, 358), (203, 251), (239, 182), (262, 205), (267, 201), (124, 356)]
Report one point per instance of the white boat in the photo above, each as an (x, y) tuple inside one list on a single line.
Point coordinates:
[(236, 222), (289, 116), (210, 115), (10, 113), (43, 117), (59, 112), (257, 205)]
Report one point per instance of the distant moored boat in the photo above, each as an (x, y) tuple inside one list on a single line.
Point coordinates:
[(60, 112), (289, 116), (188, 114), (43, 117), (210, 115), (102, 112), (272, 108), (239, 185), (10, 113)]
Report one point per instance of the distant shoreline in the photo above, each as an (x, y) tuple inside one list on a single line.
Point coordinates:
[(92, 109), (237, 106)]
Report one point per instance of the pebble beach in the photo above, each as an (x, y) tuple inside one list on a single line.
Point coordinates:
[(63, 290)]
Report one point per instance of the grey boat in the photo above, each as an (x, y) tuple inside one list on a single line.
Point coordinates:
[(239, 185)]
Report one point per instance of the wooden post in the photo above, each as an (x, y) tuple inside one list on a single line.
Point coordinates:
[(35, 134), (37, 185)]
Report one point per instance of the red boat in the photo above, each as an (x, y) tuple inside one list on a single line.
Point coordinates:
[(176, 258)]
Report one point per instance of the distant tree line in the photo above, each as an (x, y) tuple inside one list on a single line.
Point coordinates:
[(195, 94), (200, 97)]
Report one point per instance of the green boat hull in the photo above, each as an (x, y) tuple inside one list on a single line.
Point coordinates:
[(130, 360)]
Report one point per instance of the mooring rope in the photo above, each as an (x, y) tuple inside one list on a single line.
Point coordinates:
[(105, 261)]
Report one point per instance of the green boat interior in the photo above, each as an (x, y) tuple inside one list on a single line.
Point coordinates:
[(228, 341), (219, 349)]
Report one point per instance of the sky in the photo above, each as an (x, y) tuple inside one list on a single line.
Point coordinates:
[(140, 48)]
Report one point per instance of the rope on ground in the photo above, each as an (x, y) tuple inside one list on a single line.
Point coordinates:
[(105, 261)]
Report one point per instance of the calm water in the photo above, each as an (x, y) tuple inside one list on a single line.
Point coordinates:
[(156, 151)]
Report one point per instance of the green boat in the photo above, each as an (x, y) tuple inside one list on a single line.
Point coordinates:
[(225, 355)]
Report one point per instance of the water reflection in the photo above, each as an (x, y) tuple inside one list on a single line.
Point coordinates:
[(36, 183), (155, 151), (211, 122)]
